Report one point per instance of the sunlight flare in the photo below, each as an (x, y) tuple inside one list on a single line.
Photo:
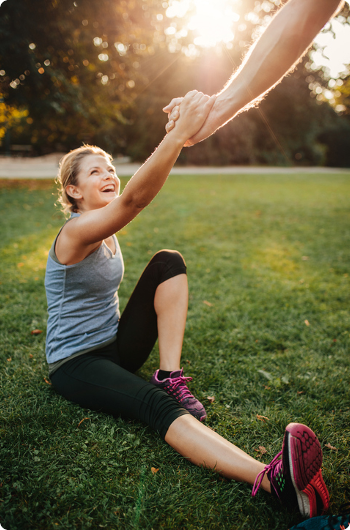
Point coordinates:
[(212, 21)]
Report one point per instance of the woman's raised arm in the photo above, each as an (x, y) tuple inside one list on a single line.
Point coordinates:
[(95, 225)]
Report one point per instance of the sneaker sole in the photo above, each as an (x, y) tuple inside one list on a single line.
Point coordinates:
[(309, 499), (305, 460)]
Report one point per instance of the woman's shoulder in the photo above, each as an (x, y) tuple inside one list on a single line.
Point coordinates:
[(52, 251)]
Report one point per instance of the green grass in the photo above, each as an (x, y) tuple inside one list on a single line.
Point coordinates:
[(269, 254)]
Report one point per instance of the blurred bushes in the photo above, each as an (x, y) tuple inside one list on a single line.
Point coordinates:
[(80, 74), (290, 127)]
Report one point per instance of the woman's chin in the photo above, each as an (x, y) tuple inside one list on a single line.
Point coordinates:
[(108, 198)]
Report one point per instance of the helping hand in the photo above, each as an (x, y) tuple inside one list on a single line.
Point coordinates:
[(211, 124), (195, 107)]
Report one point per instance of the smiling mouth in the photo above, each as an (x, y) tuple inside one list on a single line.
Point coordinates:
[(109, 189)]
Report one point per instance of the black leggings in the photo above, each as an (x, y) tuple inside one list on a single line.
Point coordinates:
[(104, 379)]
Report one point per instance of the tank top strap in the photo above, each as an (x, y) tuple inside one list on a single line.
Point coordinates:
[(52, 252)]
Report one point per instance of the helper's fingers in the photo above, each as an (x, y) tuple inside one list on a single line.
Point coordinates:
[(206, 104), (209, 104), (169, 126), (192, 96), (195, 99), (192, 93), (175, 113), (191, 99), (172, 104)]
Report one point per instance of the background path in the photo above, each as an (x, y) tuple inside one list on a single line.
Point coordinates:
[(45, 167)]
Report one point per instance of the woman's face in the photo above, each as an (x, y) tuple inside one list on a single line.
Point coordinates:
[(98, 183)]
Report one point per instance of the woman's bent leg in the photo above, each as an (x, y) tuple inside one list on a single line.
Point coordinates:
[(158, 307), (140, 320), (170, 303), (98, 383)]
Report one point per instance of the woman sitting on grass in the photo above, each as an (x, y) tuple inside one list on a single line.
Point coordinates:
[(93, 352)]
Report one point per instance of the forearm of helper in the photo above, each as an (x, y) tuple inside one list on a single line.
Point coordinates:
[(275, 53)]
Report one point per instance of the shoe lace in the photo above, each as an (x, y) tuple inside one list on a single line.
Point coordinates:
[(178, 387), (267, 469)]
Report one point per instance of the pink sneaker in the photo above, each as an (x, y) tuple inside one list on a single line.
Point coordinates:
[(296, 478), (176, 387)]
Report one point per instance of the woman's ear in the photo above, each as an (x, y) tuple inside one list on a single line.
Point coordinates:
[(73, 192)]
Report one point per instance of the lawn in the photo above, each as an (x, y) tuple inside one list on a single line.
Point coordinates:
[(267, 336)]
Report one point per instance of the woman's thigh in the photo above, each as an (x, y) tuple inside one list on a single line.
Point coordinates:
[(98, 383), (137, 330)]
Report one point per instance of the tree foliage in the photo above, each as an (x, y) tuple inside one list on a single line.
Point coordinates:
[(9, 116), (100, 72), (73, 64), (285, 129)]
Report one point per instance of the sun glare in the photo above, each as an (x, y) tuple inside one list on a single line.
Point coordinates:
[(336, 54), (212, 21)]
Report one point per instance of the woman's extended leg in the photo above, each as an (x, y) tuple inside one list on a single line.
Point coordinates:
[(204, 447), (294, 476), (97, 382)]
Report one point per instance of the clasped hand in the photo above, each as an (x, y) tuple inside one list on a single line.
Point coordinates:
[(173, 109)]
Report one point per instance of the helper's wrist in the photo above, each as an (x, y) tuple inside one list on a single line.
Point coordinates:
[(231, 101)]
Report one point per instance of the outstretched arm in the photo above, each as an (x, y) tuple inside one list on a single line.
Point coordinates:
[(275, 53), (95, 225)]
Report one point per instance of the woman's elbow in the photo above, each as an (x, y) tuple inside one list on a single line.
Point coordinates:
[(136, 202)]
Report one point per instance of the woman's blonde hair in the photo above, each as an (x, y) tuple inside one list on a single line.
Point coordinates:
[(68, 171)]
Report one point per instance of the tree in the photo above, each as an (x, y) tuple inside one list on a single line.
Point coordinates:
[(74, 65), (8, 117), (101, 71), (285, 129), (342, 95), (337, 135)]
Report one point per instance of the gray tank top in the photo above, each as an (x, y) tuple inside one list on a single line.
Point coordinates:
[(82, 301)]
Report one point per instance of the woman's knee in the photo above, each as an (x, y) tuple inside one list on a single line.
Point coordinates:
[(172, 258), (164, 265)]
